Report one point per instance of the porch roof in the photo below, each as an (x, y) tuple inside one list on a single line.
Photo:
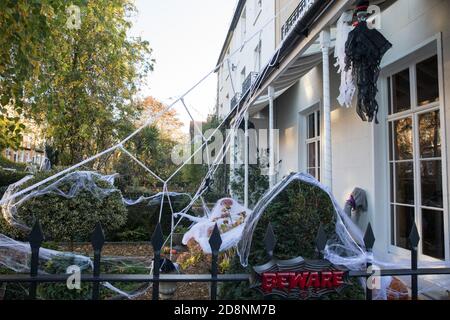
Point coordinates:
[(292, 59)]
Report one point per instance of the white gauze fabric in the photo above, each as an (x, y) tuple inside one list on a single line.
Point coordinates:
[(230, 217), (347, 87)]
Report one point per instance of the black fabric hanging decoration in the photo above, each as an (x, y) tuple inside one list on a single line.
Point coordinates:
[(364, 49)]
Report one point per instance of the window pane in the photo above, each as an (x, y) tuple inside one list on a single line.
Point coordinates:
[(404, 188), (401, 91), (318, 123), (389, 95), (312, 171), (311, 155), (391, 132), (433, 233), (393, 225), (403, 139), (318, 153), (431, 178), (311, 126), (391, 169), (430, 135), (427, 81), (404, 222)]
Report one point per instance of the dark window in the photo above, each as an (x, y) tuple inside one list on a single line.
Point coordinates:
[(404, 222), (401, 92), (431, 180), (427, 81), (433, 234)]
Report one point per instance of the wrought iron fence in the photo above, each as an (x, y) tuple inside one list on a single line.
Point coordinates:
[(235, 99), (249, 81), (36, 239), (298, 13)]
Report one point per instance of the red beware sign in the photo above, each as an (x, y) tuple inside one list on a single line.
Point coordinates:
[(302, 280), (299, 278)]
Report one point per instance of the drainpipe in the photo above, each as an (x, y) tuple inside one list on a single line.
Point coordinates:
[(271, 94), (246, 160), (327, 164)]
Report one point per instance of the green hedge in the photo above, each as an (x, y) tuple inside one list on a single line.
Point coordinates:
[(142, 219), (295, 214), (73, 219), (5, 163), (8, 177)]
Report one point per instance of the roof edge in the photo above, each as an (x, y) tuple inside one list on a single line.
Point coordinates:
[(237, 14)]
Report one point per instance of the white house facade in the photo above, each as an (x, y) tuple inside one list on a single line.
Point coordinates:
[(402, 162)]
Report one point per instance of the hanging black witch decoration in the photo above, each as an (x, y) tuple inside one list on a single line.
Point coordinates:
[(364, 49)]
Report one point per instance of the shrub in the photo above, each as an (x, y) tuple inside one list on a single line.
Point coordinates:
[(59, 291), (143, 218), (12, 291), (73, 219), (8, 177), (258, 184), (296, 214), (5, 163)]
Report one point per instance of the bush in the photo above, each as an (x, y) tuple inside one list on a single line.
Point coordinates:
[(59, 291), (12, 291), (73, 219), (142, 219), (258, 184), (296, 214), (5, 163), (8, 177)]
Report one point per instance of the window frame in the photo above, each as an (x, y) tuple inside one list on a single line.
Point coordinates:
[(415, 112), (317, 140), (257, 54), (258, 6)]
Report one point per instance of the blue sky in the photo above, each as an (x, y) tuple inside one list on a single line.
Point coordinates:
[(186, 37)]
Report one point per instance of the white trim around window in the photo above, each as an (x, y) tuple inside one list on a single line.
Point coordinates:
[(430, 48)]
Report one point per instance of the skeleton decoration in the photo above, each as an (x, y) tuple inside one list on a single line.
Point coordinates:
[(364, 50)]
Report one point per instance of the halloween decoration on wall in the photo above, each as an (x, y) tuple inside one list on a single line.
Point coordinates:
[(347, 87), (356, 204), (364, 50)]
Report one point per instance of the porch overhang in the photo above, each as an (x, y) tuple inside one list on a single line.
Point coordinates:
[(293, 58)]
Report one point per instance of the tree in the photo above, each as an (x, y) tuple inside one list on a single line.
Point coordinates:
[(10, 132), (25, 27), (152, 146), (78, 83)]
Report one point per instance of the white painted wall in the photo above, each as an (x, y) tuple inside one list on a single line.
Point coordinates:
[(359, 148), (255, 19)]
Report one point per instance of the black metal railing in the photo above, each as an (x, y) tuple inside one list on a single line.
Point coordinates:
[(249, 81), (298, 13), (235, 100), (36, 239)]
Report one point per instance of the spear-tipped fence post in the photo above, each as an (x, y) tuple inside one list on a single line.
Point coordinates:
[(321, 241), (215, 241), (97, 241), (369, 241), (414, 240), (36, 238), (157, 243), (270, 241)]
